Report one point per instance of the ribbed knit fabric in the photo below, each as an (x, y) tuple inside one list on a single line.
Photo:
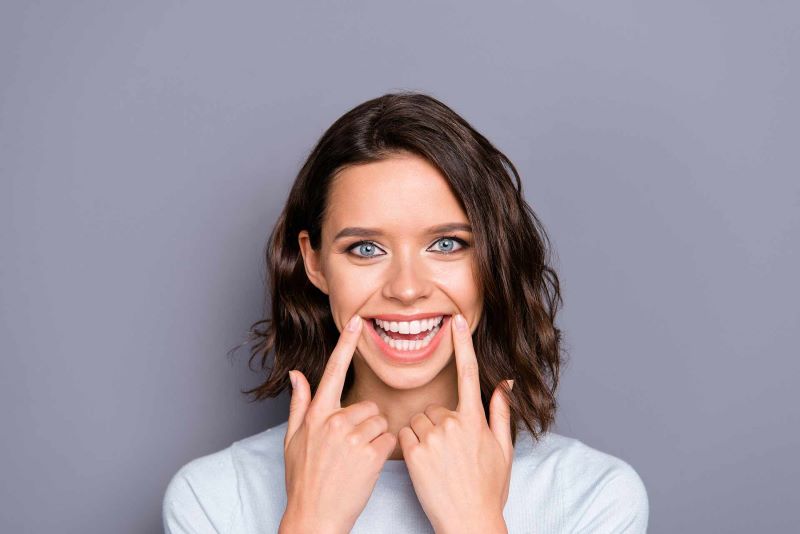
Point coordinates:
[(558, 484)]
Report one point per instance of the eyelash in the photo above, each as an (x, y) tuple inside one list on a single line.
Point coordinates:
[(460, 241)]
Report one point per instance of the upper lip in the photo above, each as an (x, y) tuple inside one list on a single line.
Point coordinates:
[(400, 317)]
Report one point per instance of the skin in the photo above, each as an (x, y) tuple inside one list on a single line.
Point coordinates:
[(333, 455), (458, 462)]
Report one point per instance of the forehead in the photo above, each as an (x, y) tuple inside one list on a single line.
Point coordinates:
[(400, 194)]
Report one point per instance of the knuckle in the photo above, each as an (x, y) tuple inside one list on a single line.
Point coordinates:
[(337, 421), (376, 424), (434, 438), (380, 422), (429, 409), (450, 423), (373, 420), (353, 439)]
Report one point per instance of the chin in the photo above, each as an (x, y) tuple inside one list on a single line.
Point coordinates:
[(405, 379)]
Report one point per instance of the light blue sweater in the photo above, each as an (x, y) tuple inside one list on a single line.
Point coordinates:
[(557, 485)]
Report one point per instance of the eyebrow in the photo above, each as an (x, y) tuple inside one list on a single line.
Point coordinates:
[(358, 231)]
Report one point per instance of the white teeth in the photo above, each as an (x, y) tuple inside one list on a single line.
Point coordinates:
[(407, 344), (431, 325), (412, 327)]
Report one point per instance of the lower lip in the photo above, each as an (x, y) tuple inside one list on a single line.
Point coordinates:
[(408, 356)]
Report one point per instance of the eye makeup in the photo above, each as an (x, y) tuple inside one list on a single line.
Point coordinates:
[(464, 245)]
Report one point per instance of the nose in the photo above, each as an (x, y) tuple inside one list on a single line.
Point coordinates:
[(408, 279)]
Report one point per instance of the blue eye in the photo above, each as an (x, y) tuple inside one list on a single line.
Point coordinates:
[(367, 248), (450, 240)]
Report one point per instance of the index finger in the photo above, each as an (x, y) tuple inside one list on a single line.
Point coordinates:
[(469, 386), (329, 391)]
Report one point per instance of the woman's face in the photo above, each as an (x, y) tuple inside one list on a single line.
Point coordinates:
[(402, 267)]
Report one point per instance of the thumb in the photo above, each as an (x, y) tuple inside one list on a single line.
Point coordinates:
[(301, 395), (500, 419)]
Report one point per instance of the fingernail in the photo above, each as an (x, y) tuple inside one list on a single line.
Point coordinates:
[(510, 384), (292, 379), (461, 323), (353, 324)]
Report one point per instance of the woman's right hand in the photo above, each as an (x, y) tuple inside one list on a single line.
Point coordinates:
[(333, 455)]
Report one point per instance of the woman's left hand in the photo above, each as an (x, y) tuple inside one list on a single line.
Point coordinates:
[(461, 466)]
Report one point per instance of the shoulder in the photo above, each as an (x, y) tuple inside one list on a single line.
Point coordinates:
[(198, 498), (602, 493), (203, 495)]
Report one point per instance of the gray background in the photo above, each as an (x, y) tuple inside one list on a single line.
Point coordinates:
[(147, 148)]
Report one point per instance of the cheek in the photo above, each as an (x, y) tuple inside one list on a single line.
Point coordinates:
[(459, 283), (348, 290)]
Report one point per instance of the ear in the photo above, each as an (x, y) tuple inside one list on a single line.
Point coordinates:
[(312, 262)]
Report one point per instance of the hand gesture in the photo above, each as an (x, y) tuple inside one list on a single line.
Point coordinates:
[(333, 455), (459, 465)]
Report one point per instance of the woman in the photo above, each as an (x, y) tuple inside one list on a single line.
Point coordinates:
[(410, 286)]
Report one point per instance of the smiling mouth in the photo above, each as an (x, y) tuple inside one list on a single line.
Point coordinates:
[(408, 336)]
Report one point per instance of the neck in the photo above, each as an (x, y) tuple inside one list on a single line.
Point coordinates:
[(400, 405)]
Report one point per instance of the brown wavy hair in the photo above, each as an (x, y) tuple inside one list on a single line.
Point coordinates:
[(516, 336)]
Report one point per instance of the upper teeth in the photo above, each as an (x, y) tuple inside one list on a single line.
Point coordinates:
[(410, 327)]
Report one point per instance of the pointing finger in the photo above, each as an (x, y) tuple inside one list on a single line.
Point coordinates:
[(469, 388), (329, 391)]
